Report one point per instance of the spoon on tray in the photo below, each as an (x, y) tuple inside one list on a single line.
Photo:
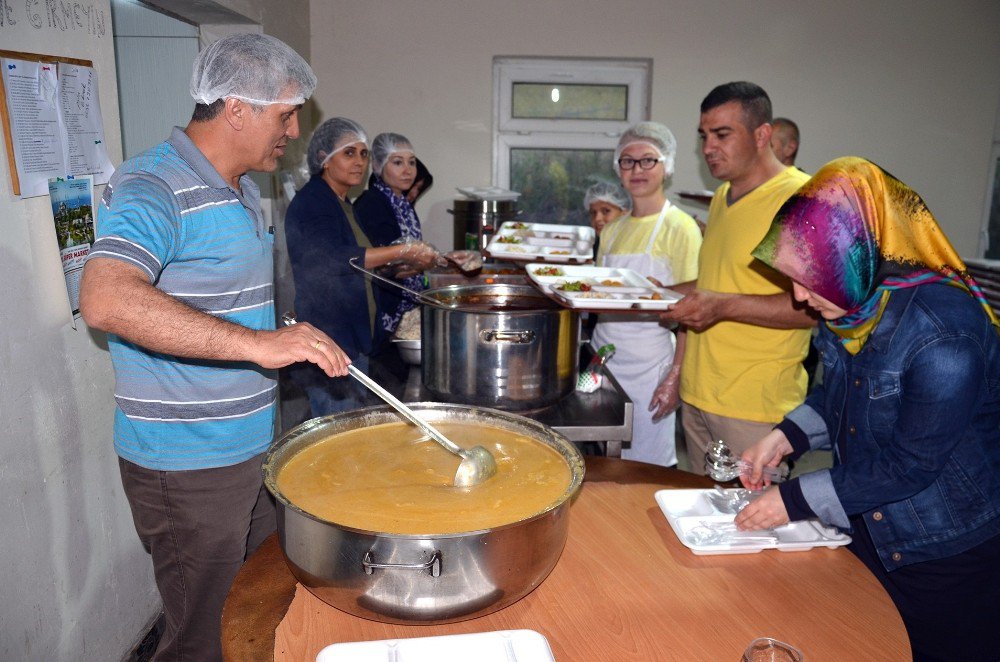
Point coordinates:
[(477, 464)]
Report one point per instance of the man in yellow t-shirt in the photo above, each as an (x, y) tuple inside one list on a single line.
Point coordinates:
[(742, 371)]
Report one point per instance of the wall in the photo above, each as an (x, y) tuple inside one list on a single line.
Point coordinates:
[(73, 569), (77, 584), (911, 85)]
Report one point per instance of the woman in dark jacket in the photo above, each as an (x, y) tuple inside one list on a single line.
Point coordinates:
[(909, 403), (322, 236)]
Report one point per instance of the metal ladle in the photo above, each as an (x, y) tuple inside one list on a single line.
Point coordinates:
[(470, 263), (477, 463), (419, 296)]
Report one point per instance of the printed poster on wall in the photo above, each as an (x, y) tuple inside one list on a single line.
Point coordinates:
[(55, 123), (73, 214)]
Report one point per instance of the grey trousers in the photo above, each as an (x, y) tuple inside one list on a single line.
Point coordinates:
[(199, 526), (701, 429)]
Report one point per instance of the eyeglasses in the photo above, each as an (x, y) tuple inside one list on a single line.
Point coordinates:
[(646, 163)]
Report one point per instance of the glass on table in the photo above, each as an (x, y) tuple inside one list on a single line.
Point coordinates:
[(766, 649)]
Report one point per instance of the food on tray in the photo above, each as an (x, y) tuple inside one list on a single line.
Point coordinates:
[(574, 286), (595, 295), (612, 283), (561, 236), (549, 271), (502, 239), (520, 226), (559, 253), (655, 296)]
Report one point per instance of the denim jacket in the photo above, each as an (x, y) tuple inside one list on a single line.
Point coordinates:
[(919, 411)]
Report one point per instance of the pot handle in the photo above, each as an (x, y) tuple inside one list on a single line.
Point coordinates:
[(433, 565), (513, 337)]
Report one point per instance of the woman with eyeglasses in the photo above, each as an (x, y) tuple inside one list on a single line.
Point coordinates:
[(661, 242), (323, 235)]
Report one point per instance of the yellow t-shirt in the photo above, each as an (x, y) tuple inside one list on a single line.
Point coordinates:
[(735, 369), (678, 241)]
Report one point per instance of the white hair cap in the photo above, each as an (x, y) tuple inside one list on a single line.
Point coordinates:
[(650, 133), (255, 68), (329, 138), (385, 145), (613, 194)]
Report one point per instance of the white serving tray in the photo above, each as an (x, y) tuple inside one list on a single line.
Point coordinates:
[(611, 288), (686, 509), (498, 646), (542, 242)]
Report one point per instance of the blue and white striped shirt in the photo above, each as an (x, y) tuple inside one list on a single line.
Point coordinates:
[(169, 212)]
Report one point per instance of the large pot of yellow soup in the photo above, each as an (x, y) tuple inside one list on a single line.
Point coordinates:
[(371, 524)]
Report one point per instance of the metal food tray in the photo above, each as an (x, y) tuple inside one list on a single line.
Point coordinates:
[(686, 509), (630, 290), (542, 242)]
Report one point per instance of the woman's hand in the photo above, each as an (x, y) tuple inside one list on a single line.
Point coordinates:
[(418, 255), (767, 452), (666, 397), (765, 512)]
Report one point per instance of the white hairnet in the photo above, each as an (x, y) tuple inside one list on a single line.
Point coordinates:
[(256, 68), (329, 138), (611, 193), (650, 133), (386, 144)]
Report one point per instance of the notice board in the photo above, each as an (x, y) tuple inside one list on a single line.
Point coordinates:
[(52, 123)]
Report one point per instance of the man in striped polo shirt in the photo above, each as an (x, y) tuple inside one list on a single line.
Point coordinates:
[(181, 279)]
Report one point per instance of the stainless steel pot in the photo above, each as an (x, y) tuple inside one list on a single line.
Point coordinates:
[(477, 220), (411, 578), (518, 350)]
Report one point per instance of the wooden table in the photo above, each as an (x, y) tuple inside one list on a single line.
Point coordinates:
[(624, 589)]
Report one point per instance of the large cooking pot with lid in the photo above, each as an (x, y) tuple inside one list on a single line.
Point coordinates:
[(411, 579), (502, 346)]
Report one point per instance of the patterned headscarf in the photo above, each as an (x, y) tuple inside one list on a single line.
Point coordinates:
[(854, 233)]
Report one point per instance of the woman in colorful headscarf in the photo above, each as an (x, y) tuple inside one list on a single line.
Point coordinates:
[(909, 403)]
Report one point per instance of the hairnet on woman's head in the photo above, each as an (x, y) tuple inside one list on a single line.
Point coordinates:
[(651, 133), (386, 144), (329, 138), (256, 68), (613, 194)]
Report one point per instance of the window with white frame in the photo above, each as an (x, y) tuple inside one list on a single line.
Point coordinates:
[(556, 122)]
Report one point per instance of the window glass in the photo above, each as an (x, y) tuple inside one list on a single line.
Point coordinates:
[(552, 182), (569, 101), (556, 122)]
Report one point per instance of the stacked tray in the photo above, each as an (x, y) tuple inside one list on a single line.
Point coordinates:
[(600, 288), (542, 242), (497, 646), (689, 511)]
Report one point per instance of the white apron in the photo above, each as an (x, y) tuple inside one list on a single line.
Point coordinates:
[(644, 351)]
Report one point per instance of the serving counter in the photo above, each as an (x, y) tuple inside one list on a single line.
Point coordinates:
[(625, 588)]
